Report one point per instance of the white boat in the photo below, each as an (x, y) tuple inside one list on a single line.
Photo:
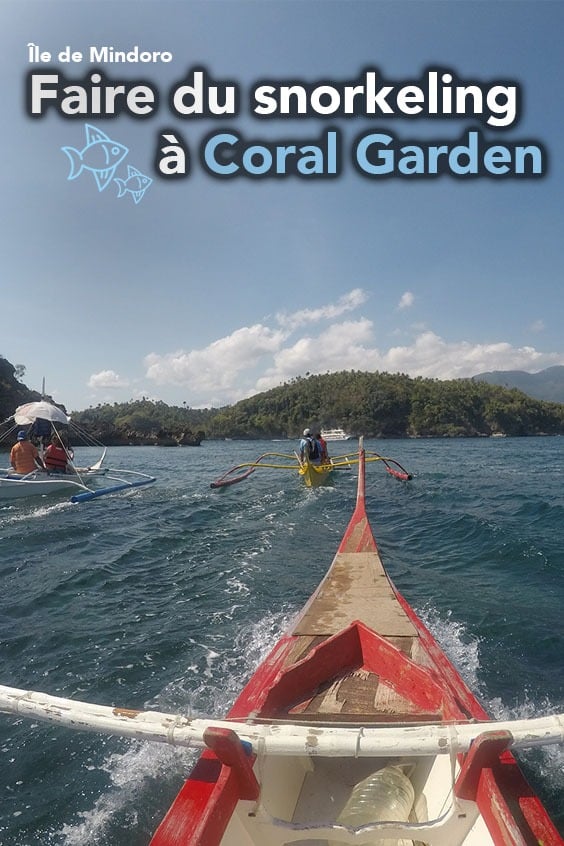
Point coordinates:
[(335, 435), (81, 483)]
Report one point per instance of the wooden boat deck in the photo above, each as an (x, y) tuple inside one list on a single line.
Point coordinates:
[(357, 588)]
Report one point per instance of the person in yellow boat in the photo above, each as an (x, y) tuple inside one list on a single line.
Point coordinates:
[(309, 448), (24, 456), (324, 454)]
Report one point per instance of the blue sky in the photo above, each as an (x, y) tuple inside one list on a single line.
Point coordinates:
[(210, 289)]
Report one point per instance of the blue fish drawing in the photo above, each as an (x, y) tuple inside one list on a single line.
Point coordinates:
[(101, 156), (136, 184)]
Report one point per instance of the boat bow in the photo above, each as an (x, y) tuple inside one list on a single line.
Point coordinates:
[(357, 659)]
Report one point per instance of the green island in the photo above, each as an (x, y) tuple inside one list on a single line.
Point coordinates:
[(376, 405)]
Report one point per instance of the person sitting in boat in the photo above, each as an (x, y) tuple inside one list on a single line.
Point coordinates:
[(24, 456), (310, 448), (323, 452), (56, 455), (40, 432)]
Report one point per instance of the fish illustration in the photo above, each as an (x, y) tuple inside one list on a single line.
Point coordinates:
[(101, 156), (136, 184)]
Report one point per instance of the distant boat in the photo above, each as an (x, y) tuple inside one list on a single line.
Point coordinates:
[(312, 474), (335, 435)]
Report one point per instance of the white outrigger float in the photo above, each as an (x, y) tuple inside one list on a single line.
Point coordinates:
[(81, 483), (356, 730)]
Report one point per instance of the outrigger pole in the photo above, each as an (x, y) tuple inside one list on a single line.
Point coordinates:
[(279, 738), (88, 495)]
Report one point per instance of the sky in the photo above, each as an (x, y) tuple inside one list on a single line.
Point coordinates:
[(120, 281)]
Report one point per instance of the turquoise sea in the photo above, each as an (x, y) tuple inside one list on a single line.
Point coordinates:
[(168, 596)]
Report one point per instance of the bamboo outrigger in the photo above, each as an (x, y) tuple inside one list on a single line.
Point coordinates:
[(313, 474)]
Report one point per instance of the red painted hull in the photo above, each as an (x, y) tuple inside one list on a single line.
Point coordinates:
[(329, 650)]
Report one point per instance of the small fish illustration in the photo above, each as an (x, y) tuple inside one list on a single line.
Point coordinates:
[(101, 156), (136, 184)]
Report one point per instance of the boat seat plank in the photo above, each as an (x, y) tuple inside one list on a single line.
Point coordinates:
[(410, 646)]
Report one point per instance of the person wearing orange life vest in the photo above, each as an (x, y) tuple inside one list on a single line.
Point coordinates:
[(56, 456), (24, 456), (323, 448)]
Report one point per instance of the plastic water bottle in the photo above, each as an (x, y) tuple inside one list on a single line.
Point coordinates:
[(385, 796)]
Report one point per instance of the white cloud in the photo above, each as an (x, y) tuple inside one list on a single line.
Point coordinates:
[(340, 347), (225, 370), (406, 300), (255, 358), (348, 302), (431, 356), (107, 379), (215, 368), (537, 326)]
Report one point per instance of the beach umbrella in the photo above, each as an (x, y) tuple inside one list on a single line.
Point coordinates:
[(32, 411)]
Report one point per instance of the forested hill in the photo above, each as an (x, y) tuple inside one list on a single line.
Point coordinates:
[(371, 404), (144, 422), (12, 391), (388, 405), (135, 422)]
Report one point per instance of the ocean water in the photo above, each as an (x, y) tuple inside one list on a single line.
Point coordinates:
[(168, 596)]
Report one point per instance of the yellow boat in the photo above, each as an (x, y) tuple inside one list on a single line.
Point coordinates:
[(313, 475)]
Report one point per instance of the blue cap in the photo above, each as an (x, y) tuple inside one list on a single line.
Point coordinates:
[(22, 435)]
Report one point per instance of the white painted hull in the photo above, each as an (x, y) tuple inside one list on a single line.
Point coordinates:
[(79, 483), (40, 484)]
